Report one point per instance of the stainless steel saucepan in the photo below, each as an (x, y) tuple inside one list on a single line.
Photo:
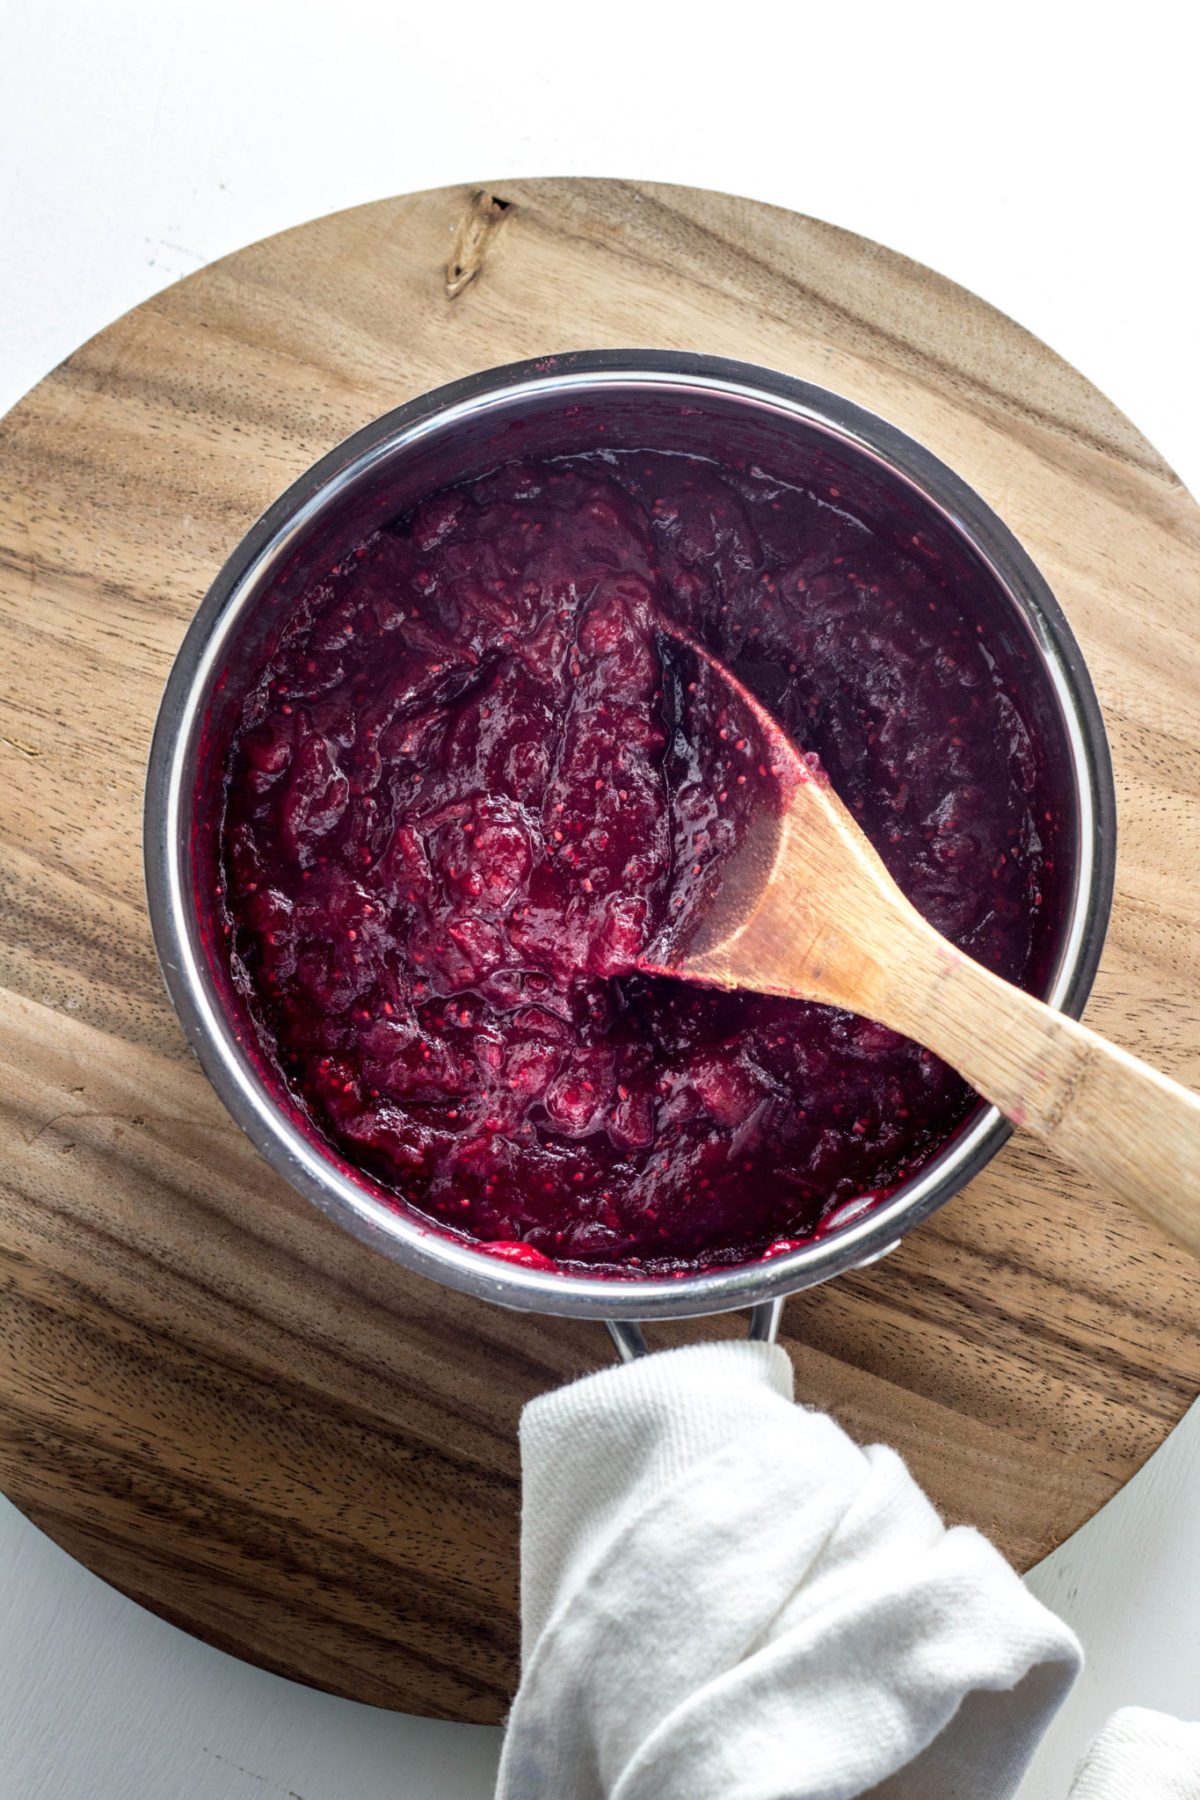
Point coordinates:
[(604, 399)]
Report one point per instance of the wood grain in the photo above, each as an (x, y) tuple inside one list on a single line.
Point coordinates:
[(233, 1411)]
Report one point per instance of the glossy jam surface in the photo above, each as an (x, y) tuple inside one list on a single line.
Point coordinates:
[(474, 783)]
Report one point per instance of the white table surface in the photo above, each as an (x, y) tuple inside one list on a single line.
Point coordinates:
[(1043, 154)]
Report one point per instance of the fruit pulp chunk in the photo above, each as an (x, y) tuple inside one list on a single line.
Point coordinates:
[(471, 784)]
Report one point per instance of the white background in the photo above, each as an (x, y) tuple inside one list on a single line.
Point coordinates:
[(1044, 155)]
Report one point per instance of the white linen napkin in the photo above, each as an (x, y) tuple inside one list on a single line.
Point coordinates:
[(724, 1598), (1141, 1755)]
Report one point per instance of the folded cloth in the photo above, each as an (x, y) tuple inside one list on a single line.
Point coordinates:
[(724, 1598), (1141, 1755)]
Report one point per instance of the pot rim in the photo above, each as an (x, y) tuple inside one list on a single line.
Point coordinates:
[(419, 1245)]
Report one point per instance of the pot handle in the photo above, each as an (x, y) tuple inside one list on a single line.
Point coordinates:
[(627, 1334)]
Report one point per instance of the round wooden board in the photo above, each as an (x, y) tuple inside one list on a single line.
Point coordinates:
[(228, 1408)]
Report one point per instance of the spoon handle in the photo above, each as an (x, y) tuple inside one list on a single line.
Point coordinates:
[(1134, 1130)]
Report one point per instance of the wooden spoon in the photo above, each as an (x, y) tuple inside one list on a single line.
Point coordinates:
[(806, 909)]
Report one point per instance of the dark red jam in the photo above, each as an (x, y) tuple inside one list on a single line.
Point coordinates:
[(474, 782)]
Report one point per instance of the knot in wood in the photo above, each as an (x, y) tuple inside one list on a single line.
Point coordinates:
[(472, 239)]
